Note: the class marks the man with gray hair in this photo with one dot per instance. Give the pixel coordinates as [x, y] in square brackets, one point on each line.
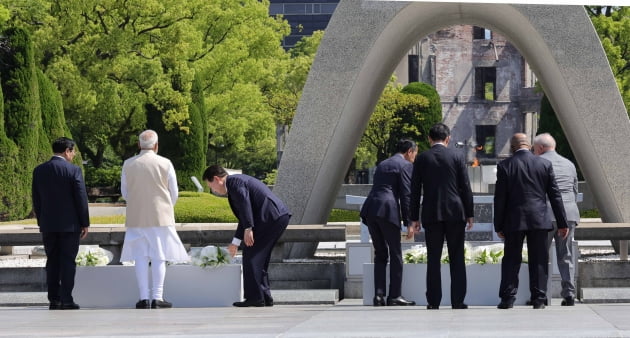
[566, 177]
[149, 185]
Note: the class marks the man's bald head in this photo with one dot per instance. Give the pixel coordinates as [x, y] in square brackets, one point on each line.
[519, 141]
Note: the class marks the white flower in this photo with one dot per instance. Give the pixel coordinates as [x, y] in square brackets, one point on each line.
[483, 254]
[417, 254]
[209, 256]
[93, 257]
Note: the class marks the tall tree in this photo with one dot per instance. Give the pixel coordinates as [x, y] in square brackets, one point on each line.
[115, 59]
[613, 27]
[22, 113]
[396, 115]
[11, 206]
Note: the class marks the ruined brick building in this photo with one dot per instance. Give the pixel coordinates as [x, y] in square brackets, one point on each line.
[485, 85]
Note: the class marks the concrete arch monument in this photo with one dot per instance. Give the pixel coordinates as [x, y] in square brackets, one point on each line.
[364, 41]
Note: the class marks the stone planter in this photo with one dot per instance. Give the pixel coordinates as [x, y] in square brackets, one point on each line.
[482, 287]
[114, 286]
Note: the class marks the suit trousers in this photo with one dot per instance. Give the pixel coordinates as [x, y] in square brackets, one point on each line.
[435, 234]
[61, 251]
[386, 242]
[538, 262]
[256, 259]
[564, 257]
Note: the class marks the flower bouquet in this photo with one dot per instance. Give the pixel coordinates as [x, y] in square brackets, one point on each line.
[93, 257]
[210, 256]
[483, 254]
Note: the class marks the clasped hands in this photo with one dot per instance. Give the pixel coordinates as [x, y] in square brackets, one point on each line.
[416, 227]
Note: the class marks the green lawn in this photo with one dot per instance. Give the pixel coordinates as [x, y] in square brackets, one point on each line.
[194, 207]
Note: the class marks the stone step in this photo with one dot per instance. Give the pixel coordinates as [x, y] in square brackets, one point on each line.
[305, 296]
[281, 297]
[23, 298]
[606, 295]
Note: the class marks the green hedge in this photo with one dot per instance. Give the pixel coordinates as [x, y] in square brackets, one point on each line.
[103, 177]
[194, 207]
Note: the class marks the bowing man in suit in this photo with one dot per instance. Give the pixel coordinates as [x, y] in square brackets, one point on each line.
[262, 218]
[61, 207]
[386, 205]
[524, 182]
[447, 211]
[566, 177]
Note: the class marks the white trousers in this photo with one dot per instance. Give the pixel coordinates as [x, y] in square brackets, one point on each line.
[158, 272]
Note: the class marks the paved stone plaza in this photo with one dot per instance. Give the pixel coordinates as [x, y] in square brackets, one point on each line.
[346, 319]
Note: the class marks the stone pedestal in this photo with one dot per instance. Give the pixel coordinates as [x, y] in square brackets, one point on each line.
[482, 287]
[114, 286]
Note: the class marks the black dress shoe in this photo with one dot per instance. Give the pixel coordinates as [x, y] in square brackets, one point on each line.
[568, 301]
[529, 302]
[460, 306]
[143, 304]
[379, 300]
[55, 305]
[69, 306]
[506, 304]
[160, 304]
[248, 303]
[433, 307]
[538, 305]
[399, 301]
[268, 301]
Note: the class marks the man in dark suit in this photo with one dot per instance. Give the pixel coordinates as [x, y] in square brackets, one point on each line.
[382, 210]
[524, 182]
[261, 216]
[61, 207]
[447, 206]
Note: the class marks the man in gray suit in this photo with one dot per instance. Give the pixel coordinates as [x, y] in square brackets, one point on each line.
[566, 177]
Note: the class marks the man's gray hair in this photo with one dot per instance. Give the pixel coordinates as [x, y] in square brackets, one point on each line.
[545, 140]
[147, 139]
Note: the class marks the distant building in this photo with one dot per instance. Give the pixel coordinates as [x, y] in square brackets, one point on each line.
[486, 87]
[304, 16]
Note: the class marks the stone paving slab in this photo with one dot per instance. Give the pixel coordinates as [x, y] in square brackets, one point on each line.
[348, 318]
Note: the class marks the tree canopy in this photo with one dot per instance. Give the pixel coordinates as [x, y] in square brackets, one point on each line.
[116, 60]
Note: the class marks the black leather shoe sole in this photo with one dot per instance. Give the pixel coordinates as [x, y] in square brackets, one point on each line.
[461, 306]
[69, 306]
[160, 304]
[505, 305]
[433, 307]
[54, 306]
[248, 303]
[399, 301]
[143, 304]
[568, 302]
[538, 306]
[378, 301]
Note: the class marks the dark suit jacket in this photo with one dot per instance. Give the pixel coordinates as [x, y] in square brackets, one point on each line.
[253, 203]
[524, 181]
[59, 198]
[441, 173]
[389, 197]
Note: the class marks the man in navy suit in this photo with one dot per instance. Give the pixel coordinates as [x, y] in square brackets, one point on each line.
[447, 206]
[261, 216]
[61, 207]
[386, 205]
[524, 182]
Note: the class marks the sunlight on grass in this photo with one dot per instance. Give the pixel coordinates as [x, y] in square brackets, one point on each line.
[194, 207]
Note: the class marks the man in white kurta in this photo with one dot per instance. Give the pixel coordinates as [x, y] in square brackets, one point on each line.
[149, 185]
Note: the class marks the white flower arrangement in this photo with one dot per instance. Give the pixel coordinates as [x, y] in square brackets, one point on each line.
[93, 257]
[483, 254]
[210, 256]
